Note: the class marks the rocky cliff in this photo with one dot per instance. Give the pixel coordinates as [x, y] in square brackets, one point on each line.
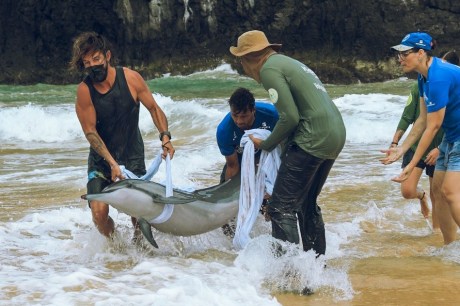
[344, 41]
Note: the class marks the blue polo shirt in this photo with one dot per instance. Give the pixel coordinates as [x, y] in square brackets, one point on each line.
[440, 90]
[229, 134]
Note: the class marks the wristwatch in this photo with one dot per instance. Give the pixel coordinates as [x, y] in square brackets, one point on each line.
[167, 133]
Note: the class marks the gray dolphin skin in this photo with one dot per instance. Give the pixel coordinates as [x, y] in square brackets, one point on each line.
[193, 213]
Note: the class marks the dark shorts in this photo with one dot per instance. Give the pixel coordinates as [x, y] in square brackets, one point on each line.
[98, 181]
[96, 185]
[429, 169]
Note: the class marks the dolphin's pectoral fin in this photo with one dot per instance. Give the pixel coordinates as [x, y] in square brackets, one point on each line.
[146, 230]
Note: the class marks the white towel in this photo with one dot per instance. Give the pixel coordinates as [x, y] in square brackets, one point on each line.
[151, 171]
[253, 187]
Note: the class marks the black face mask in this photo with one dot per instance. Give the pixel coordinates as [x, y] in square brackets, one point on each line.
[97, 73]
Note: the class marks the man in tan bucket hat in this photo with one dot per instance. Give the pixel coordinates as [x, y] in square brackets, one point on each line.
[252, 41]
[315, 134]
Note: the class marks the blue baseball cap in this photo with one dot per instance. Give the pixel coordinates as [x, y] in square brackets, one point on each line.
[417, 40]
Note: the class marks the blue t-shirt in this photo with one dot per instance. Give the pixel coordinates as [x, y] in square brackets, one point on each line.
[229, 134]
[442, 89]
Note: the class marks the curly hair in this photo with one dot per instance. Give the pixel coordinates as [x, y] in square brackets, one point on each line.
[241, 100]
[88, 43]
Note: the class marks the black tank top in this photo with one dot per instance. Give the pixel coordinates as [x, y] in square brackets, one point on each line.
[117, 122]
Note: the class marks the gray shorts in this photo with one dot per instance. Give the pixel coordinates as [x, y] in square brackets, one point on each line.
[449, 156]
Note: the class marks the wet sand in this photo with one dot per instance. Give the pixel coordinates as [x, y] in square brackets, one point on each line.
[393, 281]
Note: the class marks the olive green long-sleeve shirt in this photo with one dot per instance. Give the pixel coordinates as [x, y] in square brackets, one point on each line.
[307, 115]
[410, 114]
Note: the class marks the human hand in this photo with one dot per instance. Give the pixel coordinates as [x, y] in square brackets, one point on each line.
[116, 173]
[392, 145]
[432, 157]
[404, 175]
[168, 149]
[256, 141]
[391, 155]
[264, 212]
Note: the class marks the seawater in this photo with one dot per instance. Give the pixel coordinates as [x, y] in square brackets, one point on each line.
[379, 248]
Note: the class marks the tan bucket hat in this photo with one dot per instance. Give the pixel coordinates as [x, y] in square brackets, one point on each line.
[252, 41]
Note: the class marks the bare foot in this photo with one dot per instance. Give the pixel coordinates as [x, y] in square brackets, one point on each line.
[424, 206]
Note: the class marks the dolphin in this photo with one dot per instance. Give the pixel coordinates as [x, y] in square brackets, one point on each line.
[184, 214]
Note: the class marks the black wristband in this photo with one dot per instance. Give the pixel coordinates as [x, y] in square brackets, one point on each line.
[167, 133]
[395, 143]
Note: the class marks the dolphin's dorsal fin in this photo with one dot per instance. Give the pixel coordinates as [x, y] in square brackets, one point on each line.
[221, 191]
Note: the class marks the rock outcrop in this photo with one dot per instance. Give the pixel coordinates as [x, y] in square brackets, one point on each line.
[344, 41]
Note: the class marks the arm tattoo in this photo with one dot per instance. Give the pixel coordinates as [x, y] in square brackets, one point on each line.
[98, 145]
[95, 142]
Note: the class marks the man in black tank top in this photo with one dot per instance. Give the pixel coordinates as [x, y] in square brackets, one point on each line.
[107, 106]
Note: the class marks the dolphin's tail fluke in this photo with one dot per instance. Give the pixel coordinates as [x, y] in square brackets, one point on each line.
[146, 230]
